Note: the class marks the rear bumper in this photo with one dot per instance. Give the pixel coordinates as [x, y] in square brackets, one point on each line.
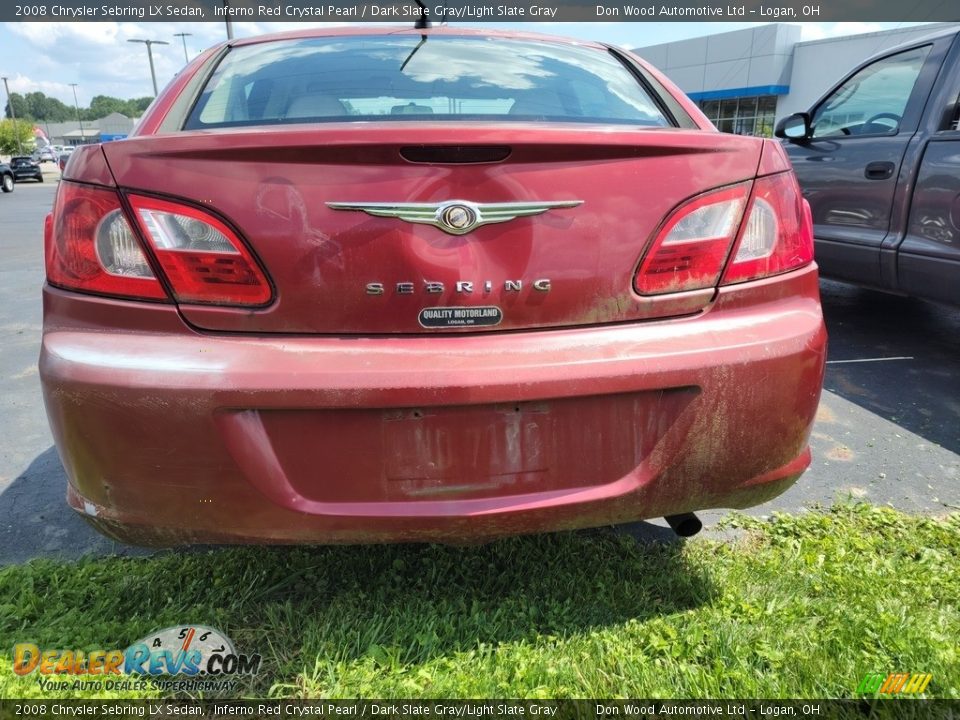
[169, 436]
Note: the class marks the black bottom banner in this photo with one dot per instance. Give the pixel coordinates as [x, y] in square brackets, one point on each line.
[479, 709]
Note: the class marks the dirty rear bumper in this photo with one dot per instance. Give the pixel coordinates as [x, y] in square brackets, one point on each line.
[169, 436]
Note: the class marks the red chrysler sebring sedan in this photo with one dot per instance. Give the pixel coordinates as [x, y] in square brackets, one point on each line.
[400, 284]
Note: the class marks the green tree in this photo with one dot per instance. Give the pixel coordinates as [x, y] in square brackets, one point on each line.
[47, 108]
[138, 106]
[11, 131]
[19, 106]
[38, 107]
[103, 105]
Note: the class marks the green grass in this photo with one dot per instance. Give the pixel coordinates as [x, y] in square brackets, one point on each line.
[800, 606]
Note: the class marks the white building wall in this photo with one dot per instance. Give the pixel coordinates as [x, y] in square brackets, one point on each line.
[771, 55]
[727, 61]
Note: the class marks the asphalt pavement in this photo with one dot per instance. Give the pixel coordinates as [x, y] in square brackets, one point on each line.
[888, 428]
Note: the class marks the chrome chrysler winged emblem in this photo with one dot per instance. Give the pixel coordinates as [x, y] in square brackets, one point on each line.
[457, 217]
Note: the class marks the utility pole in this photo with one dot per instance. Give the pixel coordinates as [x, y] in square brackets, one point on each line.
[13, 116]
[228, 21]
[183, 36]
[150, 44]
[76, 105]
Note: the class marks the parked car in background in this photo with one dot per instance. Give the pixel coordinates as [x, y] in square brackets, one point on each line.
[43, 155]
[64, 156]
[7, 179]
[878, 158]
[26, 168]
[546, 294]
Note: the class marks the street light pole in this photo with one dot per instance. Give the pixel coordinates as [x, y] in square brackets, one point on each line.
[76, 105]
[183, 36]
[13, 116]
[228, 21]
[150, 44]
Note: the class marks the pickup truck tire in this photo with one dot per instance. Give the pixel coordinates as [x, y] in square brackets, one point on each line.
[7, 184]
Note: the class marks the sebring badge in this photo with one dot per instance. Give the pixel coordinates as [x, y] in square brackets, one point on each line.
[457, 217]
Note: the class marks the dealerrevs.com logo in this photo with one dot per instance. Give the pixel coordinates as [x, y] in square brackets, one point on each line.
[200, 657]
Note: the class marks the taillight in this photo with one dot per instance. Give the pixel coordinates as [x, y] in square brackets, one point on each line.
[772, 227]
[690, 250]
[90, 246]
[202, 259]
[778, 233]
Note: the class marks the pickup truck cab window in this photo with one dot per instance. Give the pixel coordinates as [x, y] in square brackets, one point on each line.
[872, 102]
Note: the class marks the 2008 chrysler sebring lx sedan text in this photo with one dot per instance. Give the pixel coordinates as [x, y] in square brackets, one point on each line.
[389, 285]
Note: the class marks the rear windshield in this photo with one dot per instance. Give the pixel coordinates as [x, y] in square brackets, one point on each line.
[408, 77]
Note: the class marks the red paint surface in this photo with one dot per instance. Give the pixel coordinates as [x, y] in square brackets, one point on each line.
[165, 428]
[332, 416]
[272, 184]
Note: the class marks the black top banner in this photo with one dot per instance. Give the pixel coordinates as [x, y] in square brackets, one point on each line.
[453, 11]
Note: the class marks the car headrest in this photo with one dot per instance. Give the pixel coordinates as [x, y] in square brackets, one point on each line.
[548, 105]
[316, 105]
[411, 109]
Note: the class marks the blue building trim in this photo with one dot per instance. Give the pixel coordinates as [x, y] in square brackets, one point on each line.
[740, 92]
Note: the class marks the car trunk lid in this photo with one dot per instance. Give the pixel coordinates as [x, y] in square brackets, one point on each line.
[352, 271]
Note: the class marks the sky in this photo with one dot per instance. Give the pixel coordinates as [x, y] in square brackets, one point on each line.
[48, 56]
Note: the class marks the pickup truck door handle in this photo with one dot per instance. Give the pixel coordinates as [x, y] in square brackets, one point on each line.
[879, 170]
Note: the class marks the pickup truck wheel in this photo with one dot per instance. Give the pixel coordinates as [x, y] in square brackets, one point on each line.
[7, 184]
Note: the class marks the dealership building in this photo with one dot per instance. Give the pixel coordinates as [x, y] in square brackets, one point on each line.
[746, 80]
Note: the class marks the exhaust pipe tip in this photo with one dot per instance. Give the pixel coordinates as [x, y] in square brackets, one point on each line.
[685, 525]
